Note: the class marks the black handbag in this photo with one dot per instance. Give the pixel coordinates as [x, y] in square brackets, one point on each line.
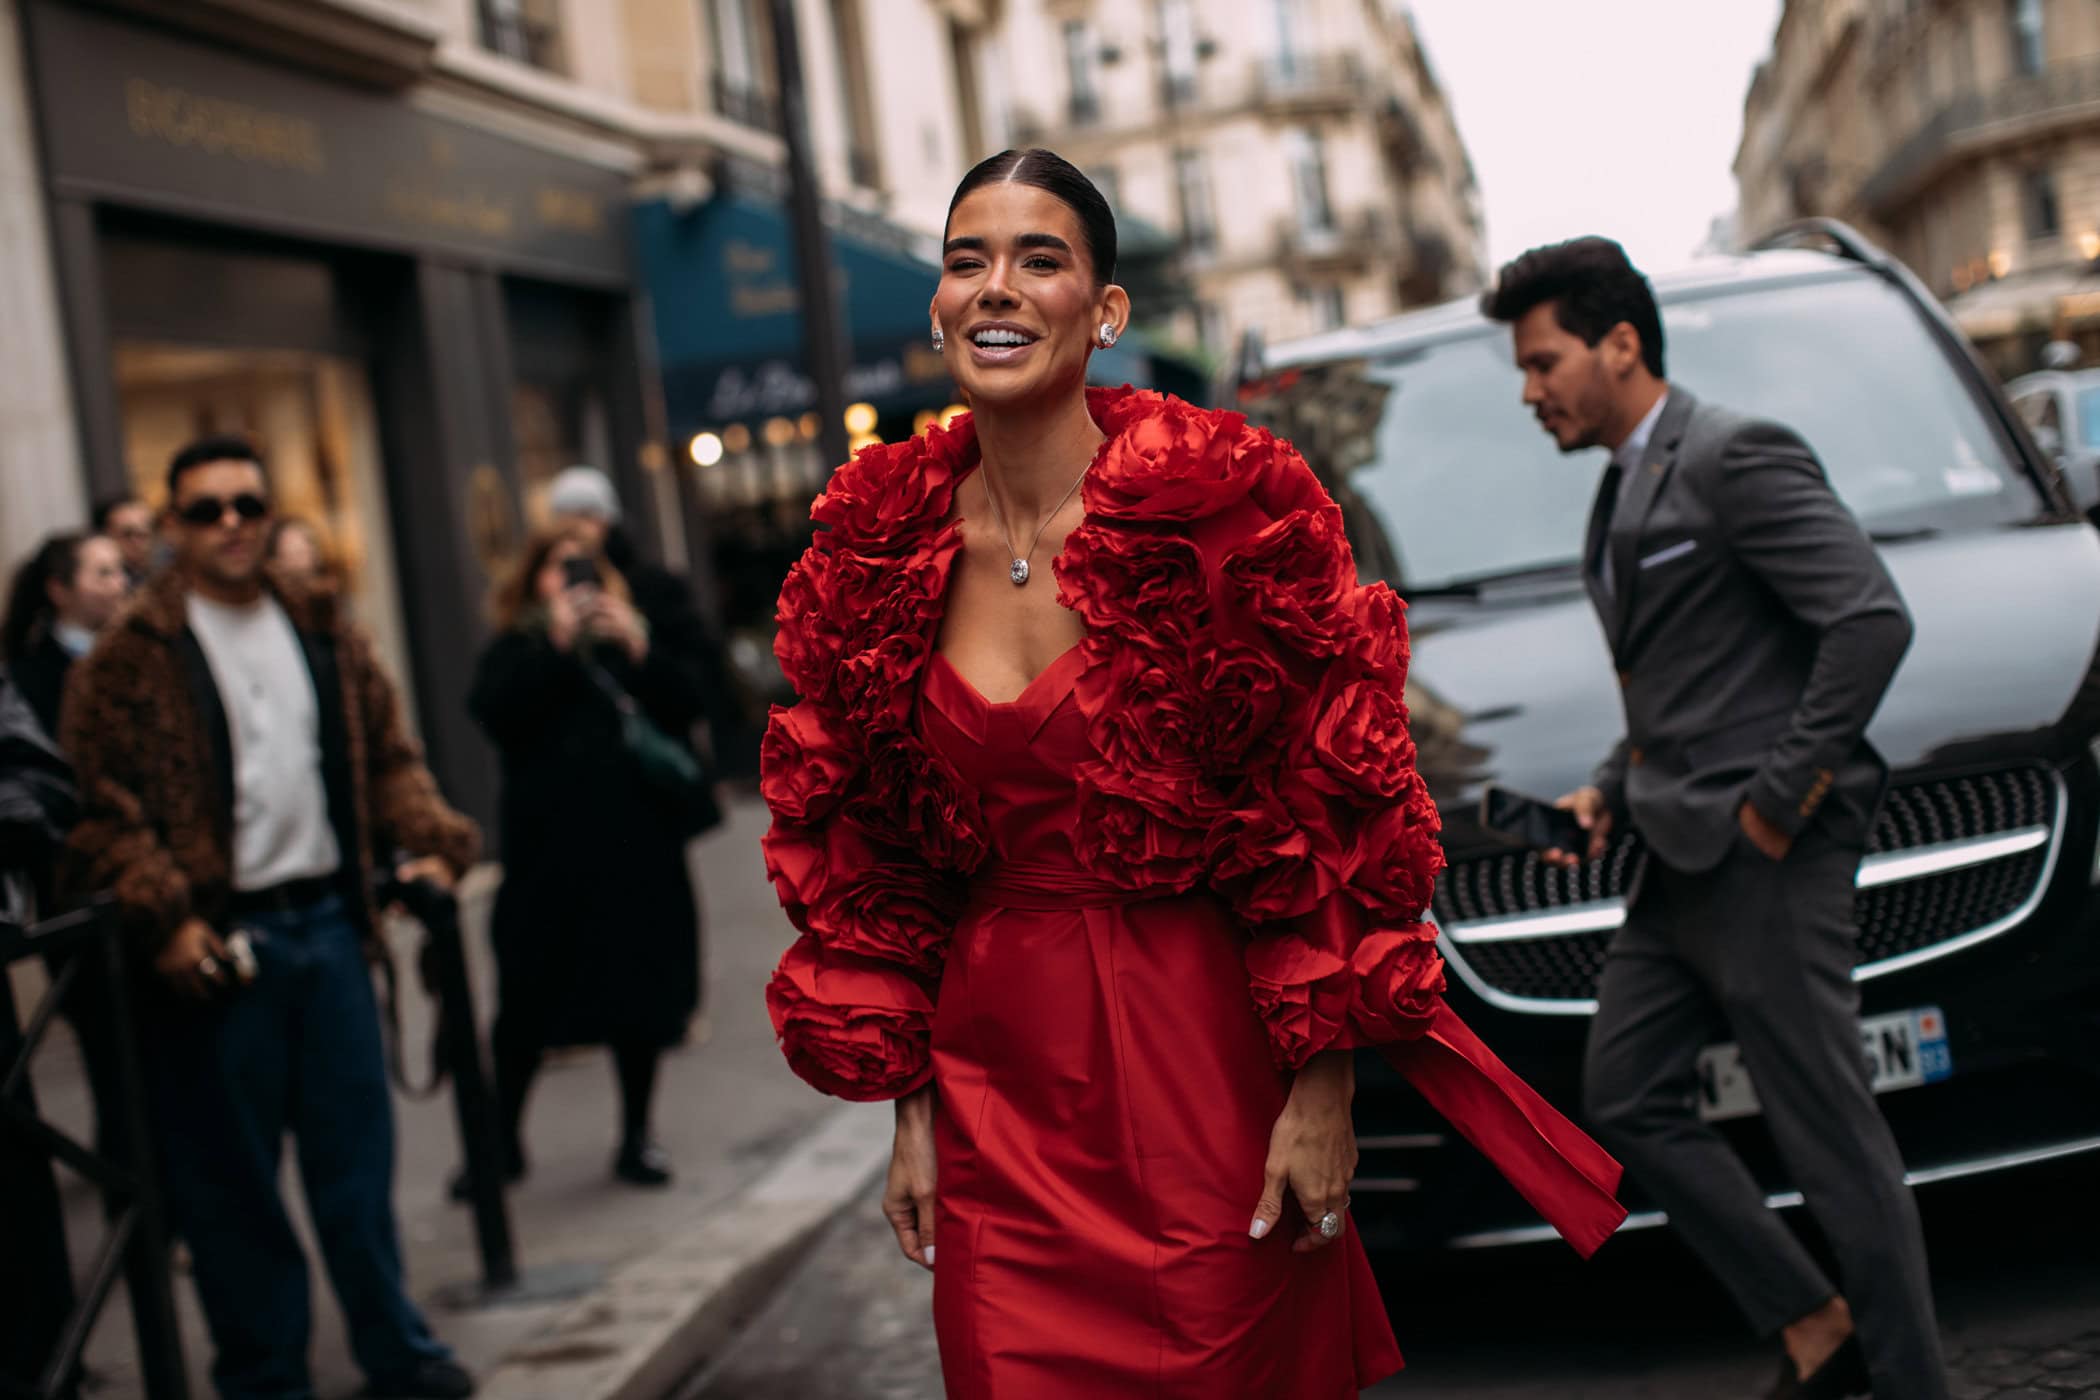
[670, 769]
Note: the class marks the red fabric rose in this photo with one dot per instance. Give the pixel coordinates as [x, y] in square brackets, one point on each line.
[1243, 693]
[1360, 743]
[1293, 578]
[1399, 984]
[1289, 484]
[1399, 857]
[1141, 705]
[804, 862]
[914, 799]
[908, 596]
[804, 765]
[1276, 856]
[1134, 586]
[1177, 463]
[880, 501]
[1380, 645]
[1142, 831]
[876, 687]
[851, 1028]
[1303, 993]
[812, 629]
[890, 911]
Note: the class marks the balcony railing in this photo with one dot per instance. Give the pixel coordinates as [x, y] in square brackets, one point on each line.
[2064, 91]
[1350, 239]
[745, 105]
[1308, 80]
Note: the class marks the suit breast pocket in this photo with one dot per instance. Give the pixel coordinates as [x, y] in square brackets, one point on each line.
[1667, 554]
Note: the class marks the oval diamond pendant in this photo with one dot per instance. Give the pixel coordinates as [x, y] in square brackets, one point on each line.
[1019, 572]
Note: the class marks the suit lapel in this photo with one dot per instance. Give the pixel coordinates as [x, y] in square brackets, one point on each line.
[1637, 495]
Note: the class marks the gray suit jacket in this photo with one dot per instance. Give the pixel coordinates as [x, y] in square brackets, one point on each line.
[1755, 631]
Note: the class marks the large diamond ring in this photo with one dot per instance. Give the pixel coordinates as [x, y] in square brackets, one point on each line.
[1330, 1225]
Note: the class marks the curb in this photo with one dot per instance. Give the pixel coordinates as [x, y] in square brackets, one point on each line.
[659, 1318]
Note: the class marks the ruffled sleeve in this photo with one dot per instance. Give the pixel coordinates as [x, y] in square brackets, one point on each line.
[873, 835]
[1332, 851]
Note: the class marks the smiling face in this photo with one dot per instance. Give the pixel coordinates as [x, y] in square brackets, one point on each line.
[1018, 300]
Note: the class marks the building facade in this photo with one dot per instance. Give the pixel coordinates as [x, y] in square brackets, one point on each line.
[1962, 134]
[1301, 152]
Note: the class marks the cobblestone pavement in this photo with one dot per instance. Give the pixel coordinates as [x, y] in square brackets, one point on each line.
[2019, 1289]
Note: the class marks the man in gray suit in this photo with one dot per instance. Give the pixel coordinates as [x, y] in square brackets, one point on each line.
[1755, 630]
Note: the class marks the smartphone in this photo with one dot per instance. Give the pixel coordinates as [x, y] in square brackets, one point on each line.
[580, 571]
[1526, 821]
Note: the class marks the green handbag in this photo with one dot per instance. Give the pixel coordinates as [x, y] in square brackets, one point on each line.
[668, 767]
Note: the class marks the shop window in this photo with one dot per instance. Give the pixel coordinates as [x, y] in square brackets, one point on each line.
[1330, 308]
[526, 30]
[312, 418]
[1199, 227]
[861, 161]
[2024, 17]
[2038, 206]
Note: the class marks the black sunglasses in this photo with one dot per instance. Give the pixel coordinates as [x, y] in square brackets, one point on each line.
[210, 510]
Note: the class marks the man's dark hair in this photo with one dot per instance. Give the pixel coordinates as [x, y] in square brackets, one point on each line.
[1593, 286]
[220, 447]
[1058, 177]
[108, 506]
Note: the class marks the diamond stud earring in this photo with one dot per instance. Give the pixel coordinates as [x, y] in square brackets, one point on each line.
[1108, 334]
[940, 342]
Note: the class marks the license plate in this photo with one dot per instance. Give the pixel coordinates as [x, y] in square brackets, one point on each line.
[1904, 1049]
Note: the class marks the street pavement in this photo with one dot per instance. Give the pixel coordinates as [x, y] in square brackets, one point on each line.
[2015, 1261]
[727, 1110]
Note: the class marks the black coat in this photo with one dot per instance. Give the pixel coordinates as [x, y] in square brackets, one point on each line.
[40, 674]
[596, 927]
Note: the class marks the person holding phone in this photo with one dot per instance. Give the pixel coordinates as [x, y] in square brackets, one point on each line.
[596, 926]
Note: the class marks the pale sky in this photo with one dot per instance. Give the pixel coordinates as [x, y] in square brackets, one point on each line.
[1617, 117]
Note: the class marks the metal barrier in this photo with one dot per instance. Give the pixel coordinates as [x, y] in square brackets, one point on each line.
[48, 1366]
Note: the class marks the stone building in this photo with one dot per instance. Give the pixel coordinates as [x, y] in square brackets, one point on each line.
[1964, 135]
[1301, 152]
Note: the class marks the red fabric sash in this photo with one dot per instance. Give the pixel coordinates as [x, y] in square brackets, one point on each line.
[1567, 1178]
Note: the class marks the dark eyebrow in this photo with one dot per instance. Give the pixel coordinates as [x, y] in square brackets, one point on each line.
[973, 244]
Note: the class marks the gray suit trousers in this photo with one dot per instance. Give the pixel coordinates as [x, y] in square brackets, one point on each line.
[1761, 952]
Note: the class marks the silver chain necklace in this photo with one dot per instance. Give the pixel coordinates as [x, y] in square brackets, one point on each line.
[1018, 570]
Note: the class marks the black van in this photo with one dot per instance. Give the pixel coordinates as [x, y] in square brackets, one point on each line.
[1979, 900]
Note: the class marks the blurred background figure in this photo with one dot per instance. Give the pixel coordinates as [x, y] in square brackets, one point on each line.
[61, 596]
[596, 928]
[297, 557]
[129, 522]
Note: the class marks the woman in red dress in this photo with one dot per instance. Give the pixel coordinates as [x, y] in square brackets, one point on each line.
[1103, 879]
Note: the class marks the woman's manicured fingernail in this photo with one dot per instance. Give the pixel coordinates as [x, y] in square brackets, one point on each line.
[1259, 1228]
[929, 1256]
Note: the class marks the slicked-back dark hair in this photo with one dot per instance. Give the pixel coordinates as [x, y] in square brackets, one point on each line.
[1593, 286]
[107, 507]
[220, 447]
[1054, 175]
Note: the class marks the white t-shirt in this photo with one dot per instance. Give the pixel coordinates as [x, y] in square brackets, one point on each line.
[280, 801]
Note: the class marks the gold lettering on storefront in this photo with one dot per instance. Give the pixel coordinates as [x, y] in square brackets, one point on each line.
[220, 127]
[473, 212]
[572, 210]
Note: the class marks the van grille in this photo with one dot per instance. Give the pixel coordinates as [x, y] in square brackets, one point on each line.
[1901, 915]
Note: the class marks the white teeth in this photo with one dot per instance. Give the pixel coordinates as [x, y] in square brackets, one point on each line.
[991, 338]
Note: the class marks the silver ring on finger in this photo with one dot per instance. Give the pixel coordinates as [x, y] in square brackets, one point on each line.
[208, 965]
[1330, 1225]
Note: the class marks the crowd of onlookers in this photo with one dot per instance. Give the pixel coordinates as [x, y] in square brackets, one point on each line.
[193, 727]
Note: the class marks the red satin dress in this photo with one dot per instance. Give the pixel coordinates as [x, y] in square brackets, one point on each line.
[1106, 1094]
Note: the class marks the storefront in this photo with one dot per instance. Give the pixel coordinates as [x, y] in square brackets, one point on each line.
[418, 320]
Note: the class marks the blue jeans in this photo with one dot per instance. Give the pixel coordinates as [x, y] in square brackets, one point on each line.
[298, 1050]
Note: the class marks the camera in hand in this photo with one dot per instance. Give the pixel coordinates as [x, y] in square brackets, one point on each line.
[1527, 821]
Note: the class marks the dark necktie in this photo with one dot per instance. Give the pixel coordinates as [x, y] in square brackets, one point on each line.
[1599, 553]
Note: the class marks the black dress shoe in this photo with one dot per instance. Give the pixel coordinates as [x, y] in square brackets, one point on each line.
[438, 1378]
[643, 1164]
[1842, 1377]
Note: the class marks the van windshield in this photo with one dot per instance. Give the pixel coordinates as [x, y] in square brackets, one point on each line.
[1456, 483]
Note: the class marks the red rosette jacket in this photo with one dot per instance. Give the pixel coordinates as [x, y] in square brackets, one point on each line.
[1246, 700]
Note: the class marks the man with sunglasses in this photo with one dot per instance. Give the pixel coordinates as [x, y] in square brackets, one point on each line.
[242, 759]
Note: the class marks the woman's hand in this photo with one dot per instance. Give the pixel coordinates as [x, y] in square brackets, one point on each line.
[616, 620]
[564, 618]
[908, 1198]
[1312, 1149]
